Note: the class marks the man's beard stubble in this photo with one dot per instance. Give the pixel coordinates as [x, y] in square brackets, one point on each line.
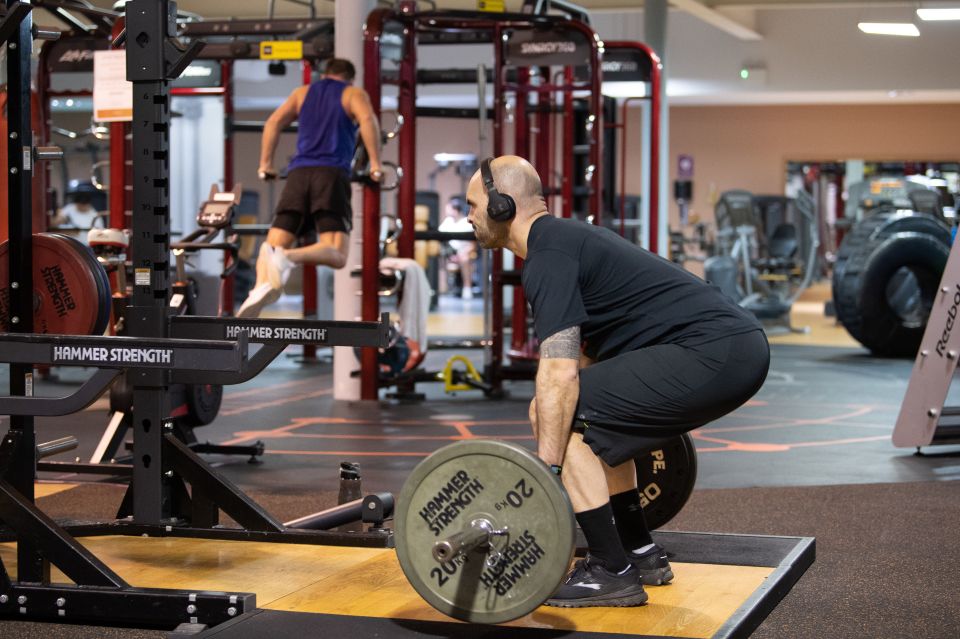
[493, 235]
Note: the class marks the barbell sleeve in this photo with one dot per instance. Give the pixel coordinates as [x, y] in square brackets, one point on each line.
[47, 153]
[477, 534]
[45, 34]
[55, 446]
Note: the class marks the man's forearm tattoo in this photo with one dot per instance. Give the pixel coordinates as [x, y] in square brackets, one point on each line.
[562, 345]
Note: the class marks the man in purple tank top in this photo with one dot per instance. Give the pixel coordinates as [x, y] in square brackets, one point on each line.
[317, 190]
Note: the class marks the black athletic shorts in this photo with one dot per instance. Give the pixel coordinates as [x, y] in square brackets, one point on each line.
[315, 194]
[637, 399]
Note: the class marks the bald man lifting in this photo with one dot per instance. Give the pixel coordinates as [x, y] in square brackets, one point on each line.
[633, 350]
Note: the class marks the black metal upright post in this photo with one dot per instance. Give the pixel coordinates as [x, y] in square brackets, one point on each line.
[149, 24]
[22, 469]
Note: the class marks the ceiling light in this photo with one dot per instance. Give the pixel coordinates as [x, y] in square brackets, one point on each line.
[945, 13]
[890, 28]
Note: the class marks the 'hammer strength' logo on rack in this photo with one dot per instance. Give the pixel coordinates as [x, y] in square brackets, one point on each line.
[443, 509]
[282, 333]
[951, 319]
[112, 354]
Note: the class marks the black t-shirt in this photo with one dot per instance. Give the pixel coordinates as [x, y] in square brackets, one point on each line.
[622, 296]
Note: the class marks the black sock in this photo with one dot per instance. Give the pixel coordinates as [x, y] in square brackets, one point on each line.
[631, 524]
[602, 541]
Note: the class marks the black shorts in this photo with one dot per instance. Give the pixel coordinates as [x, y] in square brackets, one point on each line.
[635, 400]
[317, 195]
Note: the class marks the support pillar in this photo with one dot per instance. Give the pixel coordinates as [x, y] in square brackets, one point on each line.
[655, 36]
[349, 19]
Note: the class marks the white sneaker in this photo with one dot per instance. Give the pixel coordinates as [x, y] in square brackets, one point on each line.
[277, 265]
[259, 297]
[466, 293]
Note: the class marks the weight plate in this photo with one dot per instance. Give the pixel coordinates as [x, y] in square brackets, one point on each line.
[203, 403]
[105, 295]
[66, 297]
[665, 476]
[513, 490]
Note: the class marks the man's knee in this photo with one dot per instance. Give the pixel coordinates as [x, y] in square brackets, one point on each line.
[337, 244]
[338, 259]
[577, 446]
[280, 237]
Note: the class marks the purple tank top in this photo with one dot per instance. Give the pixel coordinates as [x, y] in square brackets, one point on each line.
[326, 134]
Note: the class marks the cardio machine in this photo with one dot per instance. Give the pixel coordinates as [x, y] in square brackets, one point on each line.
[192, 405]
[765, 273]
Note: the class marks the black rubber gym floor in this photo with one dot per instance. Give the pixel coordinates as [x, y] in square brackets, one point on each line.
[810, 455]
[824, 416]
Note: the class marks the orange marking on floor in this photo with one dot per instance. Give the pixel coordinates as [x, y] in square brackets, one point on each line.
[276, 402]
[464, 430]
[781, 403]
[259, 390]
[832, 420]
[854, 411]
[737, 429]
[300, 422]
[744, 447]
[414, 422]
[281, 431]
[247, 435]
[365, 453]
[851, 440]
[757, 447]
[765, 447]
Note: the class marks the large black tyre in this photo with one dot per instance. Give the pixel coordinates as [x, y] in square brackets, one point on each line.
[884, 223]
[886, 284]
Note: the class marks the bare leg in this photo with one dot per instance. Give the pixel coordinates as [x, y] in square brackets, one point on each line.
[330, 249]
[584, 474]
[620, 478]
[585, 482]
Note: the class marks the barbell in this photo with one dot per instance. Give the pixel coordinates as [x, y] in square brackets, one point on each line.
[485, 531]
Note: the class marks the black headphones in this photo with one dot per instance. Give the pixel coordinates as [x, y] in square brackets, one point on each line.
[500, 206]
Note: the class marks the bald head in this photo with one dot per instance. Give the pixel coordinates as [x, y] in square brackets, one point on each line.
[514, 176]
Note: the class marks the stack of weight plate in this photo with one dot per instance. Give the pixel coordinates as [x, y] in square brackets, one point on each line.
[885, 278]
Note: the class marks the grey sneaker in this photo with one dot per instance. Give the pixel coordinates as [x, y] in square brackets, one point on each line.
[653, 566]
[259, 297]
[590, 584]
[277, 265]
